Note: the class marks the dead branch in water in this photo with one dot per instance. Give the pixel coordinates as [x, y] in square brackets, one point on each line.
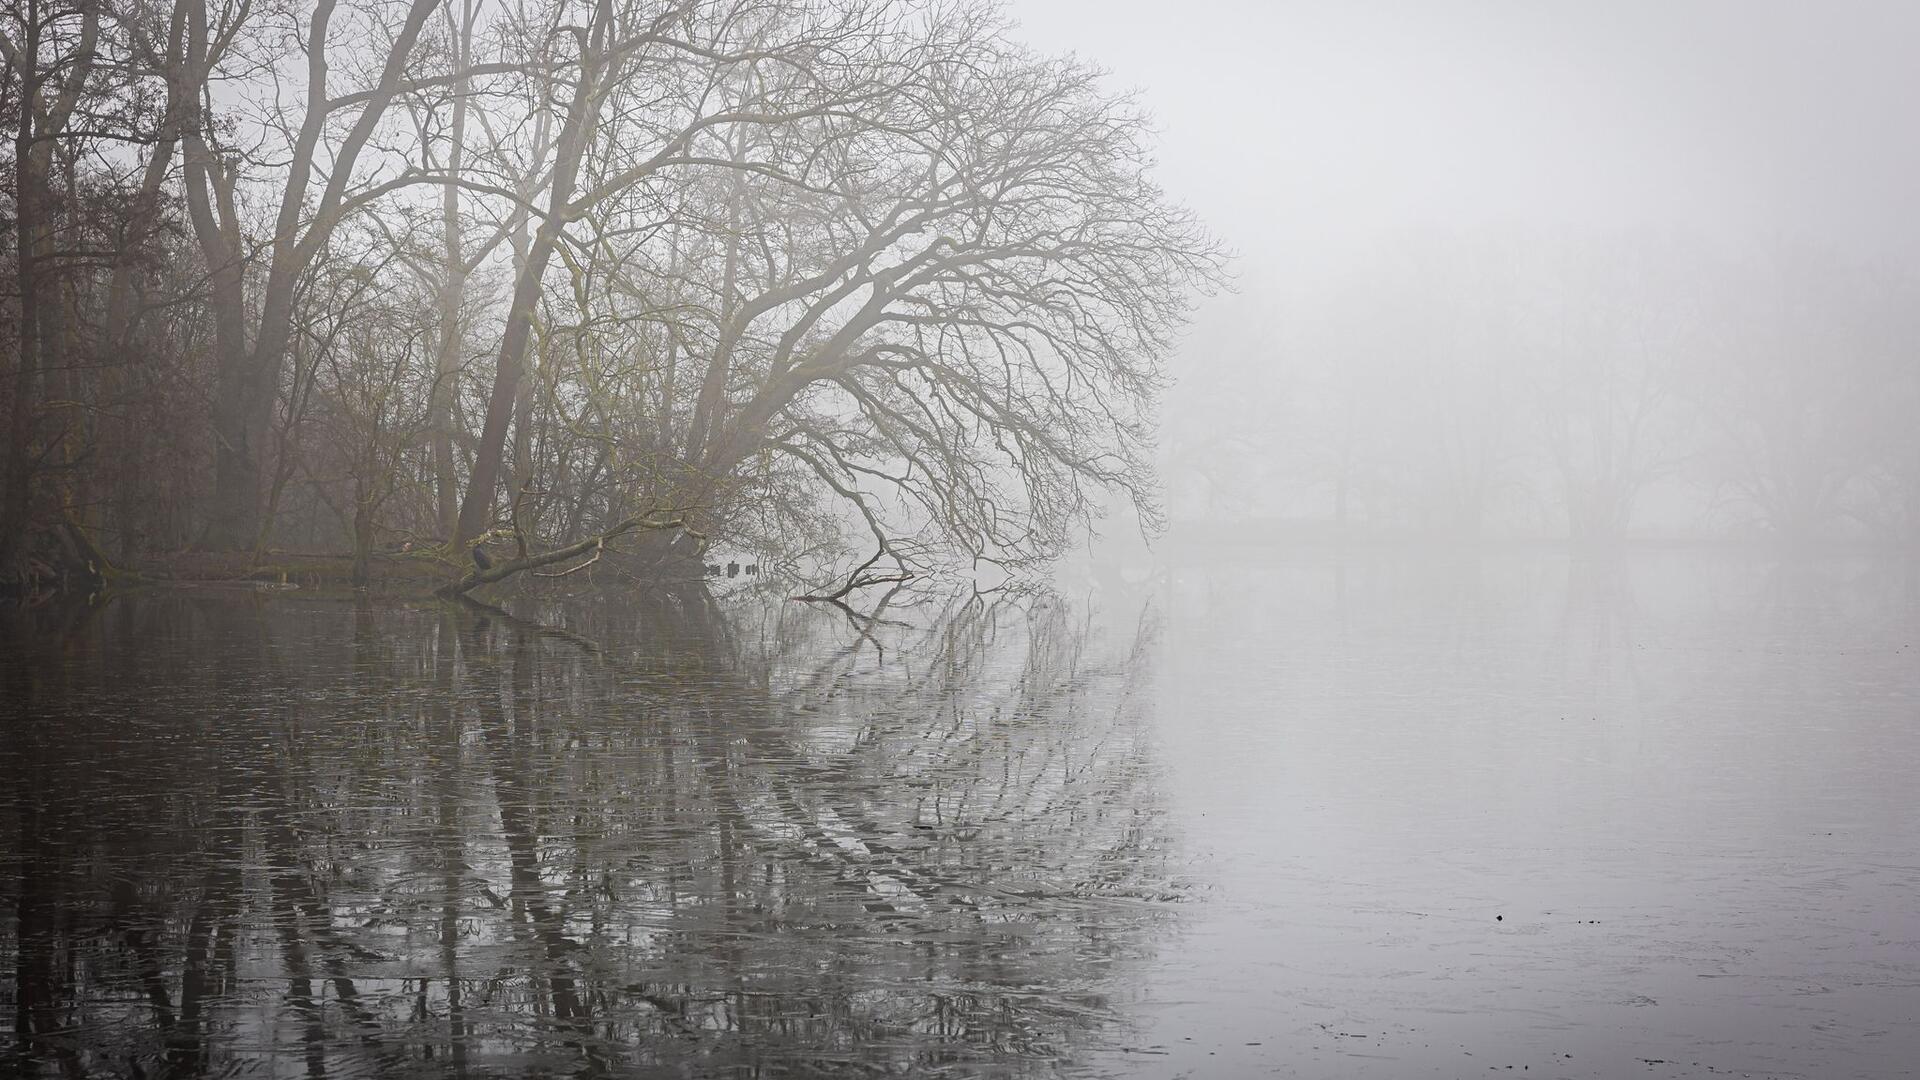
[595, 544]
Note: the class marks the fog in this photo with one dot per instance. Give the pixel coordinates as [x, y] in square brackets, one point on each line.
[959, 538]
[1345, 121]
[1599, 273]
[1489, 254]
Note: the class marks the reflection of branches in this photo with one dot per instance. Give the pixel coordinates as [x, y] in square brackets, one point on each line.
[585, 644]
[773, 846]
[864, 623]
[861, 579]
[517, 803]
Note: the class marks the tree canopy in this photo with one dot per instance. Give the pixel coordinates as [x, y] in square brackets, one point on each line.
[801, 277]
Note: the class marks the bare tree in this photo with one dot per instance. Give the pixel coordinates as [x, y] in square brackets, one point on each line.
[641, 83]
[1612, 342]
[1787, 389]
[378, 410]
[326, 134]
[774, 273]
[947, 313]
[51, 51]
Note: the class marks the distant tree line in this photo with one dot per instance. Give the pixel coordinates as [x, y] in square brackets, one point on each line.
[796, 275]
[1500, 383]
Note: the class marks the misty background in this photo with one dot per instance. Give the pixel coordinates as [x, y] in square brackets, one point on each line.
[1607, 271]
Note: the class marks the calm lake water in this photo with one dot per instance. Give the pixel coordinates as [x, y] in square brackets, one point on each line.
[1372, 816]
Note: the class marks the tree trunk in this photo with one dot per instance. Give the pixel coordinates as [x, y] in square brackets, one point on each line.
[477, 509]
[447, 361]
[41, 117]
[523, 426]
[362, 536]
[29, 224]
[124, 445]
[249, 377]
[233, 517]
[233, 521]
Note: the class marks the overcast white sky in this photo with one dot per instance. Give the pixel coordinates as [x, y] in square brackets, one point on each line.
[1306, 133]
[1299, 130]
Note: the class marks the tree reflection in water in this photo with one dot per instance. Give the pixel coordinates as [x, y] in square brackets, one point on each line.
[250, 834]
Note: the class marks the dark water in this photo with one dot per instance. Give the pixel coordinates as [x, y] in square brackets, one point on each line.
[261, 835]
[1291, 817]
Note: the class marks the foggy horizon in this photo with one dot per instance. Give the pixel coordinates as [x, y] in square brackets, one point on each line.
[1751, 157]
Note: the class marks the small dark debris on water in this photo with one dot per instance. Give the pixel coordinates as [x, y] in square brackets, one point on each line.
[1499, 918]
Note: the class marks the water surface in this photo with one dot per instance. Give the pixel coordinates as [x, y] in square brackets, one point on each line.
[1648, 817]
[1294, 816]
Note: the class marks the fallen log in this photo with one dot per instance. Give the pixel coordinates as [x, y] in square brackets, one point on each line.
[493, 571]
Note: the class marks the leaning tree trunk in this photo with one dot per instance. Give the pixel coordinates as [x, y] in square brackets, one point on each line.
[477, 509]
